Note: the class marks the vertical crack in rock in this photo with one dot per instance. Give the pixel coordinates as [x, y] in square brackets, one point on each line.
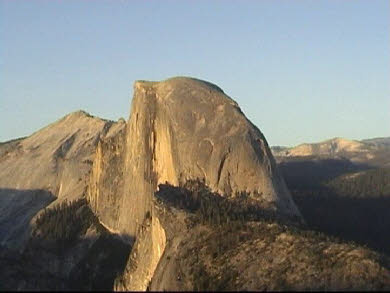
[221, 167]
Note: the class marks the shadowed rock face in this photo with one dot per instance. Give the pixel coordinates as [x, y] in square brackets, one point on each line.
[181, 129]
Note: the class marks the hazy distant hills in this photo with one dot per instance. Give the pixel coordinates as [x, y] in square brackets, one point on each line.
[373, 152]
[379, 142]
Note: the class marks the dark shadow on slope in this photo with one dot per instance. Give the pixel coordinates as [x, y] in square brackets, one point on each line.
[309, 172]
[17, 208]
[362, 220]
[68, 250]
[343, 208]
[104, 261]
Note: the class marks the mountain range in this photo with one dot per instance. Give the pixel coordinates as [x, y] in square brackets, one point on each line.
[368, 151]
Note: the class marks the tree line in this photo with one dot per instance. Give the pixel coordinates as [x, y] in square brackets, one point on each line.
[371, 183]
[65, 222]
[211, 207]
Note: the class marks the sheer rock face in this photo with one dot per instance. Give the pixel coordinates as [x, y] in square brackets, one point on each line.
[181, 129]
[144, 258]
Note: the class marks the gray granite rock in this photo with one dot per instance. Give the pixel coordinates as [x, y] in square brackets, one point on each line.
[179, 129]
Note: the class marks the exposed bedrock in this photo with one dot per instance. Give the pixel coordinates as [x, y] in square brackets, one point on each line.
[180, 129]
[46, 168]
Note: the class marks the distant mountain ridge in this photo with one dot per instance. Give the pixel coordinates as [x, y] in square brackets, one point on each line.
[379, 141]
[373, 151]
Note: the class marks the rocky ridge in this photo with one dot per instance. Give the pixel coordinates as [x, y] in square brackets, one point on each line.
[47, 167]
[374, 152]
[327, 147]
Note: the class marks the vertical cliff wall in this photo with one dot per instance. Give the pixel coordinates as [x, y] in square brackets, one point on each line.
[144, 258]
[181, 129]
[106, 185]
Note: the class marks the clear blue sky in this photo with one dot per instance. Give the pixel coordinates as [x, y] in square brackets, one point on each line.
[302, 71]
